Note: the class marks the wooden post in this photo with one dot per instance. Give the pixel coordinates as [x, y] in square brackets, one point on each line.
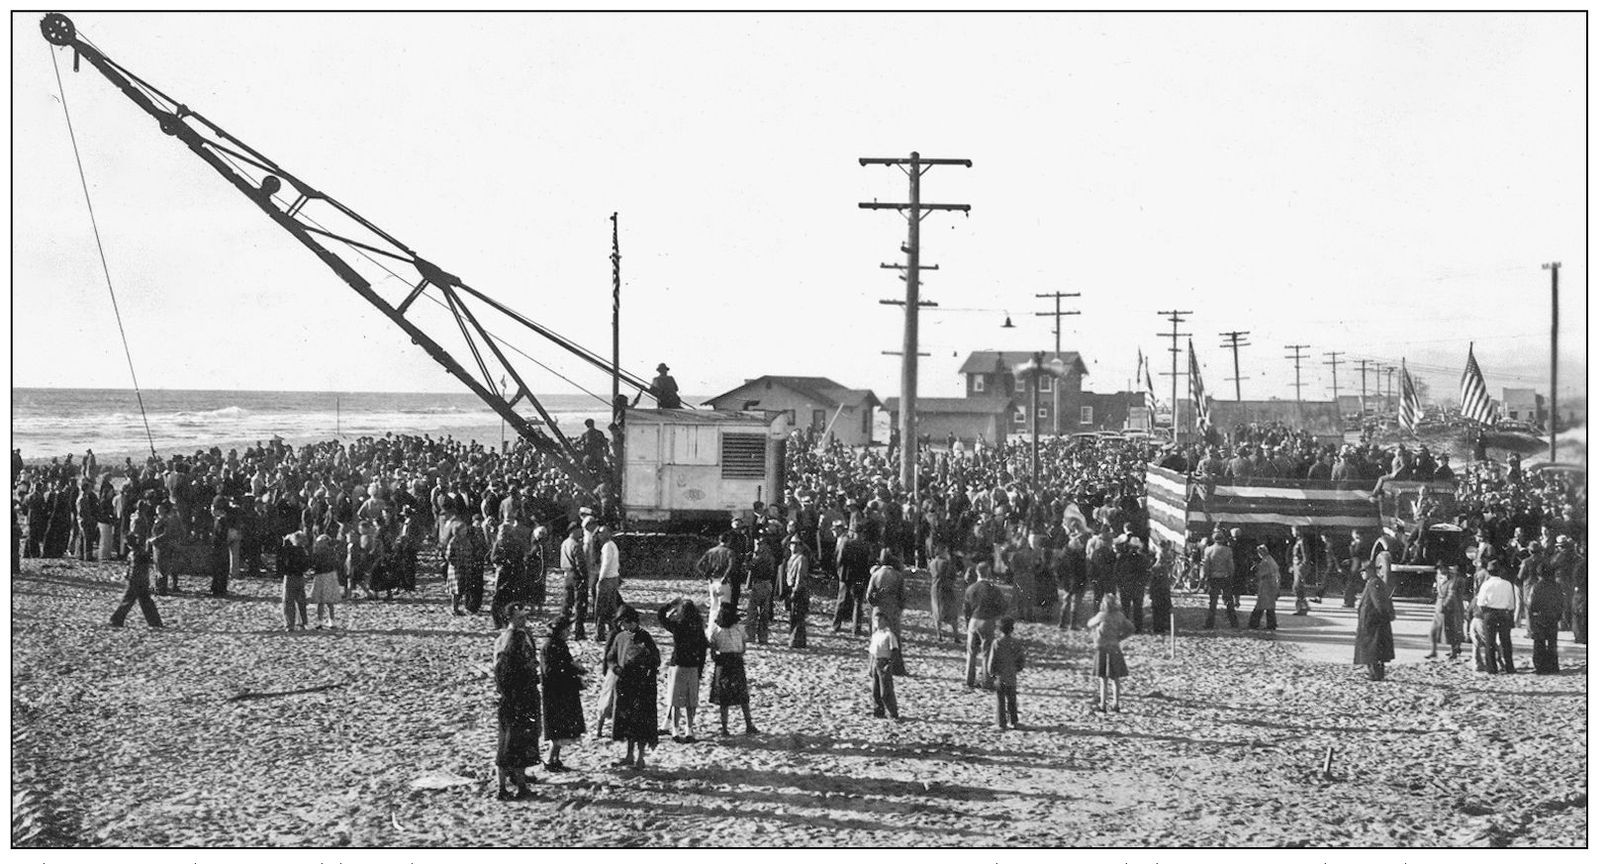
[1328, 765]
[1171, 648]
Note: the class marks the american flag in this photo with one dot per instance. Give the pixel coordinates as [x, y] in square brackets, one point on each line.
[1202, 403]
[1476, 403]
[1153, 403]
[1411, 411]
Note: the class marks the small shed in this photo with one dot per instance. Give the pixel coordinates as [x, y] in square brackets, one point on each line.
[701, 466]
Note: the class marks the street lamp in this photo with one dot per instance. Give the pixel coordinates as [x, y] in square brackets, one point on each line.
[1033, 371]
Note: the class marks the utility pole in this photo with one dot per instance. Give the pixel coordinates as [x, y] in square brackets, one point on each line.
[616, 404]
[1389, 389]
[1235, 339]
[1363, 364]
[1058, 315]
[1551, 424]
[1176, 317]
[914, 212]
[1297, 357]
[1333, 366]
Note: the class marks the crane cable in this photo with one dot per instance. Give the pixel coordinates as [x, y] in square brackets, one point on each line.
[83, 181]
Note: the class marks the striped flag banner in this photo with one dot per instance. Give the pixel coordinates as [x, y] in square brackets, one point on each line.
[1266, 505]
[1202, 404]
[1411, 411]
[1476, 403]
[1166, 497]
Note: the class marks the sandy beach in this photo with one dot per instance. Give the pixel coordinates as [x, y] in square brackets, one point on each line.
[138, 737]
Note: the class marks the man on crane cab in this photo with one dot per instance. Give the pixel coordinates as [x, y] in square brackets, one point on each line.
[664, 389]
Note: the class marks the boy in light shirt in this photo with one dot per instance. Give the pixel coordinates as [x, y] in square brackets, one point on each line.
[883, 644]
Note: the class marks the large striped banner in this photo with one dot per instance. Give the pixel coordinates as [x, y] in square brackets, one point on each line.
[1167, 499]
[1180, 506]
[1260, 503]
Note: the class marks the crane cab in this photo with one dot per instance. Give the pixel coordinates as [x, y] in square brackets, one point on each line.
[701, 467]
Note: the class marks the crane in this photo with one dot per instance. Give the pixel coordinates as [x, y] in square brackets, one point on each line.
[291, 203]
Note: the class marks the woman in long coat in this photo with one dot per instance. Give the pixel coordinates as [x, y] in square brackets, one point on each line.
[518, 676]
[561, 682]
[633, 658]
[1375, 636]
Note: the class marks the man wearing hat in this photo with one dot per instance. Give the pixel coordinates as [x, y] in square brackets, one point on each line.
[797, 587]
[1218, 567]
[1443, 471]
[664, 388]
[572, 562]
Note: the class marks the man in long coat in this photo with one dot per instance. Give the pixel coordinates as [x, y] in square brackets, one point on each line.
[1375, 635]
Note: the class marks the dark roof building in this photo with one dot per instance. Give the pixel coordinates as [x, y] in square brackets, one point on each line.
[809, 403]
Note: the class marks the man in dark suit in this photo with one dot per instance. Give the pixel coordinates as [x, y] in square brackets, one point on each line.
[853, 575]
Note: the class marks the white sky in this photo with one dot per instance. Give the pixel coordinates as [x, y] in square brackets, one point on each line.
[1380, 185]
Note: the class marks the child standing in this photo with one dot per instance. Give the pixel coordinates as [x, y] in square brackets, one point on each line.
[729, 686]
[1006, 659]
[1110, 627]
[883, 651]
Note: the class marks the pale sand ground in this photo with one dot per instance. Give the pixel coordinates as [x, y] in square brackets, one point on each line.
[128, 737]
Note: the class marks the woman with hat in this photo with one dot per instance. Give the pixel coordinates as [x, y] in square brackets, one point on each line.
[518, 676]
[561, 682]
[633, 659]
[729, 686]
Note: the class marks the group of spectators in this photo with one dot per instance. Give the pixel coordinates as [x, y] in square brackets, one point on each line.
[358, 511]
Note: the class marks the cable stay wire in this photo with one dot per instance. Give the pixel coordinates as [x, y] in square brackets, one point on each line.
[101, 248]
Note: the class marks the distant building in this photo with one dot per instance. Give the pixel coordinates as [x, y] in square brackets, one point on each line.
[1111, 411]
[808, 403]
[1519, 403]
[991, 374]
[985, 418]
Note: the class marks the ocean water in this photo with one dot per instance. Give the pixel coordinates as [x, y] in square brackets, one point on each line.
[55, 422]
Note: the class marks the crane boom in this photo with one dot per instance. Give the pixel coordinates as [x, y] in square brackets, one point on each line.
[240, 164]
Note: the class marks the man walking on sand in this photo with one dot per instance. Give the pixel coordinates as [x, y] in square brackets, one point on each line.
[139, 583]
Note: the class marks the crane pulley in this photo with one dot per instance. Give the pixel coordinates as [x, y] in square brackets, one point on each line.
[287, 199]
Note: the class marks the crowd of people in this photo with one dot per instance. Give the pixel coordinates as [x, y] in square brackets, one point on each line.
[359, 520]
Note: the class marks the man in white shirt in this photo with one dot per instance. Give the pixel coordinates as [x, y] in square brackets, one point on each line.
[1498, 602]
[605, 597]
[883, 648]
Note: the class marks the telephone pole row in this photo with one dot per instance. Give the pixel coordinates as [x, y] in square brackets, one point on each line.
[1175, 316]
[1333, 366]
[1363, 364]
[914, 211]
[1236, 338]
[1297, 357]
[1058, 314]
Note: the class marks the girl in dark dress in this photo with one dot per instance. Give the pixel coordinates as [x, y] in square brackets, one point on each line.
[561, 682]
[729, 686]
[633, 658]
[518, 676]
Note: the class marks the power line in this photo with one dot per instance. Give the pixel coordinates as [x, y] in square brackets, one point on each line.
[1236, 339]
[1175, 316]
[914, 212]
[1333, 367]
[1058, 314]
[1297, 357]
